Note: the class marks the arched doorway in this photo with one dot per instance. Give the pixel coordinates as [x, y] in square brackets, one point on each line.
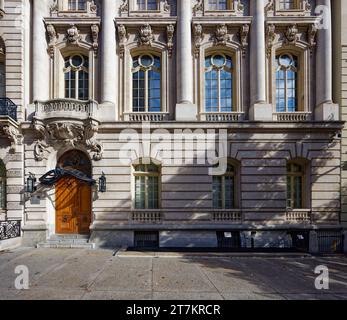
[73, 197]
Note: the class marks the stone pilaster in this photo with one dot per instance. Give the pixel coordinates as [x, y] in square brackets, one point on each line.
[185, 108]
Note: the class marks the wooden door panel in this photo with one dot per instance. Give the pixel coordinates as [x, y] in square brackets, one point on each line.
[73, 206]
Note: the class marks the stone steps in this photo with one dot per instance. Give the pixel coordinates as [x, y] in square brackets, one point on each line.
[67, 242]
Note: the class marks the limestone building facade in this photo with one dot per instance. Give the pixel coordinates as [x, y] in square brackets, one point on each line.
[163, 123]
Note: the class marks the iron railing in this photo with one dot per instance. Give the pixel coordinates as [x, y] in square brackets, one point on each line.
[10, 229]
[8, 108]
[330, 242]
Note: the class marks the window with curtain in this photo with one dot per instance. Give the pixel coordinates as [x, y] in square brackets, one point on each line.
[77, 5]
[295, 185]
[286, 83]
[146, 5]
[146, 83]
[146, 186]
[76, 73]
[223, 189]
[2, 80]
[219, 83]
[216, 5]
[2, 186]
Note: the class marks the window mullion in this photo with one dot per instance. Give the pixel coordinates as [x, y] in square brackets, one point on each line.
[219, 92]
[146, 91]
[76, 85]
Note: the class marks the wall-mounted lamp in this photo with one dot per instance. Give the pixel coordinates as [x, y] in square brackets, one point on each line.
[102, 183]
[31, 183]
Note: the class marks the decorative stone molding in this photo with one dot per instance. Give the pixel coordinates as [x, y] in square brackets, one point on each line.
[73, 35]
[95, 36]
[12, 133]
[270, 38]
[170, 30]
[59, 9]
[146, 35]
[52, 39]
[62, 123]
[197, 32]
[221, 35]
[128, 9]
[273, 9]
[244, 31]
[311, 37]
[123, 38]
[292, 34]
[201, 8]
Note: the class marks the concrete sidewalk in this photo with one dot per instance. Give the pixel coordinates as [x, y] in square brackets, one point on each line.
[99, 274]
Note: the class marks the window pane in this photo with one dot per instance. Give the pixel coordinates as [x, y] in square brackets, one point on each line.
[2, 80]
[153, 200]
[140, 193]
[217, 193]
[139, 91]
[229, 195]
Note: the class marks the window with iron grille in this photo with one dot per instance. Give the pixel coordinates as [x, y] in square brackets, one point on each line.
[146, 239]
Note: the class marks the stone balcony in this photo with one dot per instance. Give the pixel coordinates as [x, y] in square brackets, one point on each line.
[298, 216]
[146, 116]
[63, 122]
[292, 116]
[222, 117]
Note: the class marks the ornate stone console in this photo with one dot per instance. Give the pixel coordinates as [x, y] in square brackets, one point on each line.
[66, 123]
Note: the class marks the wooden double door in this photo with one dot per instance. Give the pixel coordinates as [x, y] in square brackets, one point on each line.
[73, 198]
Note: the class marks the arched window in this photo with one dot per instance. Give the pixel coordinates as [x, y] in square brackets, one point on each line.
[295, 185]
[76, 77]
[146, 186]
[216, 5]
[2, 186]
[224, 189]
[286, 83]
[146, 5]
[77, 5]
[146, 83]
[218, 83]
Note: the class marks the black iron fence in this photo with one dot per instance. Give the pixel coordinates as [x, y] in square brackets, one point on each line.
[8, 108]
[10, 229]
[330, 242]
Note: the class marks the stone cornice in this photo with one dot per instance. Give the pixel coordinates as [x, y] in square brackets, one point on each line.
[237, 21]
[138, 21]
[64, 21]
[285, 20]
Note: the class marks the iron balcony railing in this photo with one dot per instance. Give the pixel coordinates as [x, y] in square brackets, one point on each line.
[10, 229]
[8, 108]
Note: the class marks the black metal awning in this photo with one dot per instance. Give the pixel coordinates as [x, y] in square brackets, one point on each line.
[53, 176]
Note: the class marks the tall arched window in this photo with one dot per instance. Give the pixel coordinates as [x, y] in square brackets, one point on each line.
[146, 83]
[77, 5]
[215, 5]
[286, 83]
[76, 77]
[218, 83]
[146, 5]
[224, 189]
[146, 186]
[2, 186]
[295, 185]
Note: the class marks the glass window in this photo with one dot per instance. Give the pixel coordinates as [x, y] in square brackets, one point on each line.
[2, 80]
[146, 5]
[147, 186]
[216, 5]
[77, 5]
[288, 4]
[223, 190]
[286, 83]
[2, 186]
[218, 83]
[146, 83]
[76, 77]
[295, 185]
